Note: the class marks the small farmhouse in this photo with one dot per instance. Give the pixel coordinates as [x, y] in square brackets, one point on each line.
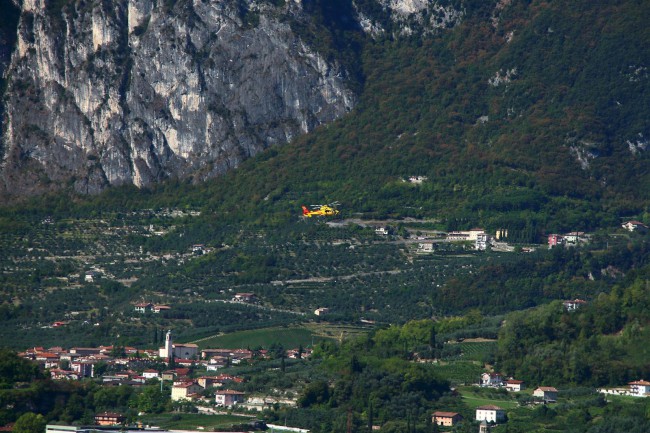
[633, 226]
[491, 379]
[245, 297]
[513, 385]
[321, 311]
[143, 307]
[574, 304]
[160, 308]
[547, 393]
[228, 397]
[446, 419]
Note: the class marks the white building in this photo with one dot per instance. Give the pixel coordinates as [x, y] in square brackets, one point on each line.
[482, 241]
[634, 226]
[640, 388]
[492, 379]
[321, 311]
[150, 374]
[490, 413]
[184, 351]
[574, 304]
[513, 385]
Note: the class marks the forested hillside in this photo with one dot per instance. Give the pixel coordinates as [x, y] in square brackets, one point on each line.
[532, 118]
[602, 343]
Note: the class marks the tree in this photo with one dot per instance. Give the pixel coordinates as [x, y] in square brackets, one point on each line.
[150, 400]
[30, 423]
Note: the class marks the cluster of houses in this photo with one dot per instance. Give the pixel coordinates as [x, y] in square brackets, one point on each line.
[491, 414]
[546, 394]
[186, 389]
[134, 369]
[80, 362]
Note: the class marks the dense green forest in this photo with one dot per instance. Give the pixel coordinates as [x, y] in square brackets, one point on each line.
[602, 343]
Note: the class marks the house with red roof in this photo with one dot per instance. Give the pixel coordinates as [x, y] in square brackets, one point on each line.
[228, 397]
[513, 385]
[143, 307]
[446, 419]
[573, 305]
[633, 226]
[547, 393]
[640, 388]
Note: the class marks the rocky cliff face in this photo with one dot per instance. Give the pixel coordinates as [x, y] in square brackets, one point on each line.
[134, 91]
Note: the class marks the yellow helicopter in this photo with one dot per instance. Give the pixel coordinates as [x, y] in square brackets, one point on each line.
[320, 210]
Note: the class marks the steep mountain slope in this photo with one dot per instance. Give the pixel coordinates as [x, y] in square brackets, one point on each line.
[521, 113]
[137, 91]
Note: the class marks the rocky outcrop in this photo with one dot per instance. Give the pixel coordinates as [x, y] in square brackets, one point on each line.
[134, 91]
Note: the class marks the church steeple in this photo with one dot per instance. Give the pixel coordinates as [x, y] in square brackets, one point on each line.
[169, 348]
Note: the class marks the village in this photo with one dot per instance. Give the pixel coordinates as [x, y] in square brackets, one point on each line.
[183, 366]
[192, 376]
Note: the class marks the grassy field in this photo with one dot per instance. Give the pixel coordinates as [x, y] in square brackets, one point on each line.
[475, 397]
[336, 331]
[460, 372]
[191, 421]
[288, 337]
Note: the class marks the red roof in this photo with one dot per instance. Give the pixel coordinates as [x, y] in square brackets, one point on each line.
[640, 382]
[514, 382]
[185, 385]
[229, 392]
[439, 414]
[576, 301]
[109, 414]
[489, 407]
